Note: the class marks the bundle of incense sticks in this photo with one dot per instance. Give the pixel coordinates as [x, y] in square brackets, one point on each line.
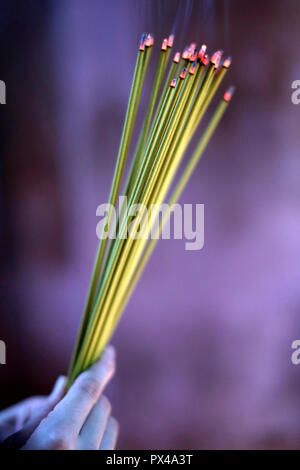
[181, 94]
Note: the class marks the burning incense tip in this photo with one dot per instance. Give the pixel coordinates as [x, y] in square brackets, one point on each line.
[176, 58]
[194, 56]
[202, 51]
[142, 42]
[173, 83]
[186, 53]
[216, 58]
[183, 73]
[193, 68]
[205, 60]
[149, 40]
[171, 40]
[229, 94]
[164, 44]
[192, 46]
[227, 62]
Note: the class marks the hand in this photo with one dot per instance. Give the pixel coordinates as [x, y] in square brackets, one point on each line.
[79, 420]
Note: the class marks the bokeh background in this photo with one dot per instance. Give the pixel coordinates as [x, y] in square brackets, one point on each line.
[204, 348]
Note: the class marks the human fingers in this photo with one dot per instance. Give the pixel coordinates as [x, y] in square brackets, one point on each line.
[60, 430]
[110, 436]
[94, 427]
[39, 409]
[71, 412]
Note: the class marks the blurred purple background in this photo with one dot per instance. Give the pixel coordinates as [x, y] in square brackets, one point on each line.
[204, 348]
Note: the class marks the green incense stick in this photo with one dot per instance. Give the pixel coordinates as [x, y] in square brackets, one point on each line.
[196, 156]
[137, 83]
[166, 132]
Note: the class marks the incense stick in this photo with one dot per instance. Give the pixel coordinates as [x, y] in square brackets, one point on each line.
[133, 102]
[193, 161]
[170, 122]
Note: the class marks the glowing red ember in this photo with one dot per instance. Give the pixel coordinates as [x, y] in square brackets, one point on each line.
[176, 58]
[171, 40]
[229, 94]
[227, 63]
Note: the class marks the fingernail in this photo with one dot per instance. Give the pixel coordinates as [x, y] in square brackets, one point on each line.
[58, 386]
[110, 352]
